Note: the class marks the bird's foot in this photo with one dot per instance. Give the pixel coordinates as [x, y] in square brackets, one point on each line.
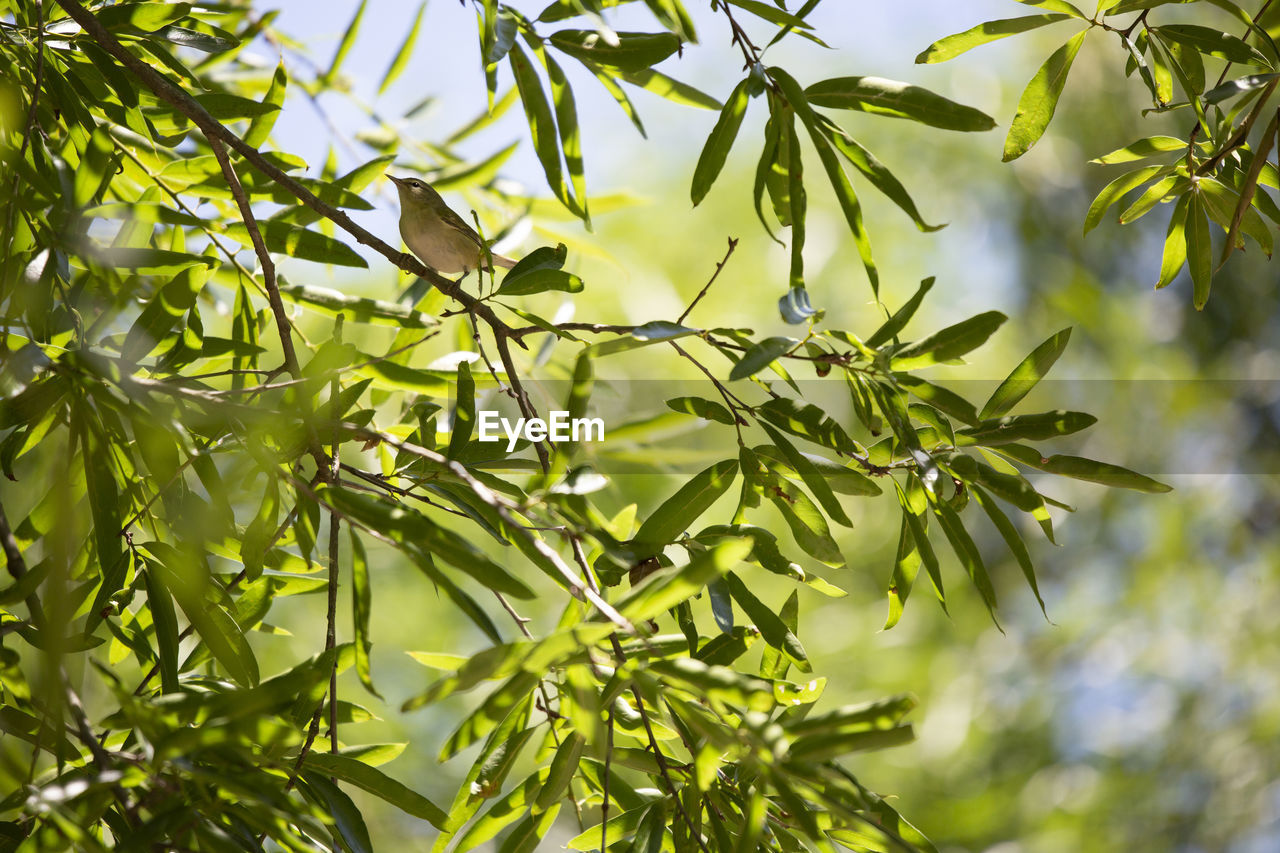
[405, 260]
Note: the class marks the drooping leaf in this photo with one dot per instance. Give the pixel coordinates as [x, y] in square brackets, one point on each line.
[374, 781]
[717, 146]
[1213, 42]
[1040, 99]
[954, 45]
[898, 100]
[286, 239]
[949, 343]
[679, 511]
[1026, 375]
[401, 59]
[761, 355]
[633, 52]
[348, 40]
[1080, 468]
[1199, 250]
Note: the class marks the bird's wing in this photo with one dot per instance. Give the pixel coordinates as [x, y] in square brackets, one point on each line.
[457, 223]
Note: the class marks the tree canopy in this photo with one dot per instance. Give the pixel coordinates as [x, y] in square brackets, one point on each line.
[203, 444]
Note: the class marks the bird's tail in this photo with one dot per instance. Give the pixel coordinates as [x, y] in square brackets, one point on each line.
[504, 262]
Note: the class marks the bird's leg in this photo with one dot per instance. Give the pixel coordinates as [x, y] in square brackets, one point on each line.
[405, 260]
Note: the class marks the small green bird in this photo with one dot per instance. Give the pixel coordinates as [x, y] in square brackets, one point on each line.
[437, 235]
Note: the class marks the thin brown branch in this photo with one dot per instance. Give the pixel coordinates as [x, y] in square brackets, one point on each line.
[17, 566]
[1241, 136]
[604, 801]
[503, 508]
[188, 106]
[1257, 17]
[522, 398]
[1250, 187]
[283, 326]
[331, 615]
[664, 769]
[733, 244]
[1140, 21]
[30, 129]
[750, 52]
[738, 420]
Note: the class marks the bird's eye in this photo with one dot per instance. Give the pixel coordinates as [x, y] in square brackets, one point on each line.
[415, 184]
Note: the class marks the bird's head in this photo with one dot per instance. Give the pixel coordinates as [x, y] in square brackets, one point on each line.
[417, 193]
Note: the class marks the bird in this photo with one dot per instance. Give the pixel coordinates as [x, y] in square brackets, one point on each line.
[439, 237]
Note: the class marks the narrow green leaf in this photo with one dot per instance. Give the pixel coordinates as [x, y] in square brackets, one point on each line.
[540, 271]
[143, 16]
[965, 549]
[906, 566]
[569, 131]
[356, 309]
[1174, 256]
[717, 146]
[348, 822]
[415, 531]
[898, 100]
[1199, 250]
[761, 355]
[809, 422]
[1025, 376]
[260, 125]
[1238, 87]
[915, 515]
[673, 90]
[196, 40]
[1061, 6]
[849, 203]
[679, 511]
[633, 51]
[165, 621]
[811, 476]
[374, 781]
[1013, 428]
[361, 610]
[542, 126]
[187, 578]
[667, 588]
[895, 324]
[954, 45]
[1013, 539]
[401, 59]
[296, 242]
[708, 410]
[1118, 189]
[1152, 196]
[1040, 99]
[878, 174]
[1212, 42]
[774, 631]
[464, 411]
[162, 313]
[348, 40]
[226, 107]
[1142, 149]
[949, 343]
[1079, 468]
[772, 14]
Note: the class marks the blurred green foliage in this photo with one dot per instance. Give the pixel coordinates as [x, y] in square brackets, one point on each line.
[175, 488]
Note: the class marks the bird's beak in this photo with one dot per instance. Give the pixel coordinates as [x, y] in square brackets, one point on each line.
[394, 179]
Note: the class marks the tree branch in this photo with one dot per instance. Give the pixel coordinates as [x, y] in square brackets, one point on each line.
[503, 509]
[212, 128]
[733, 244]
